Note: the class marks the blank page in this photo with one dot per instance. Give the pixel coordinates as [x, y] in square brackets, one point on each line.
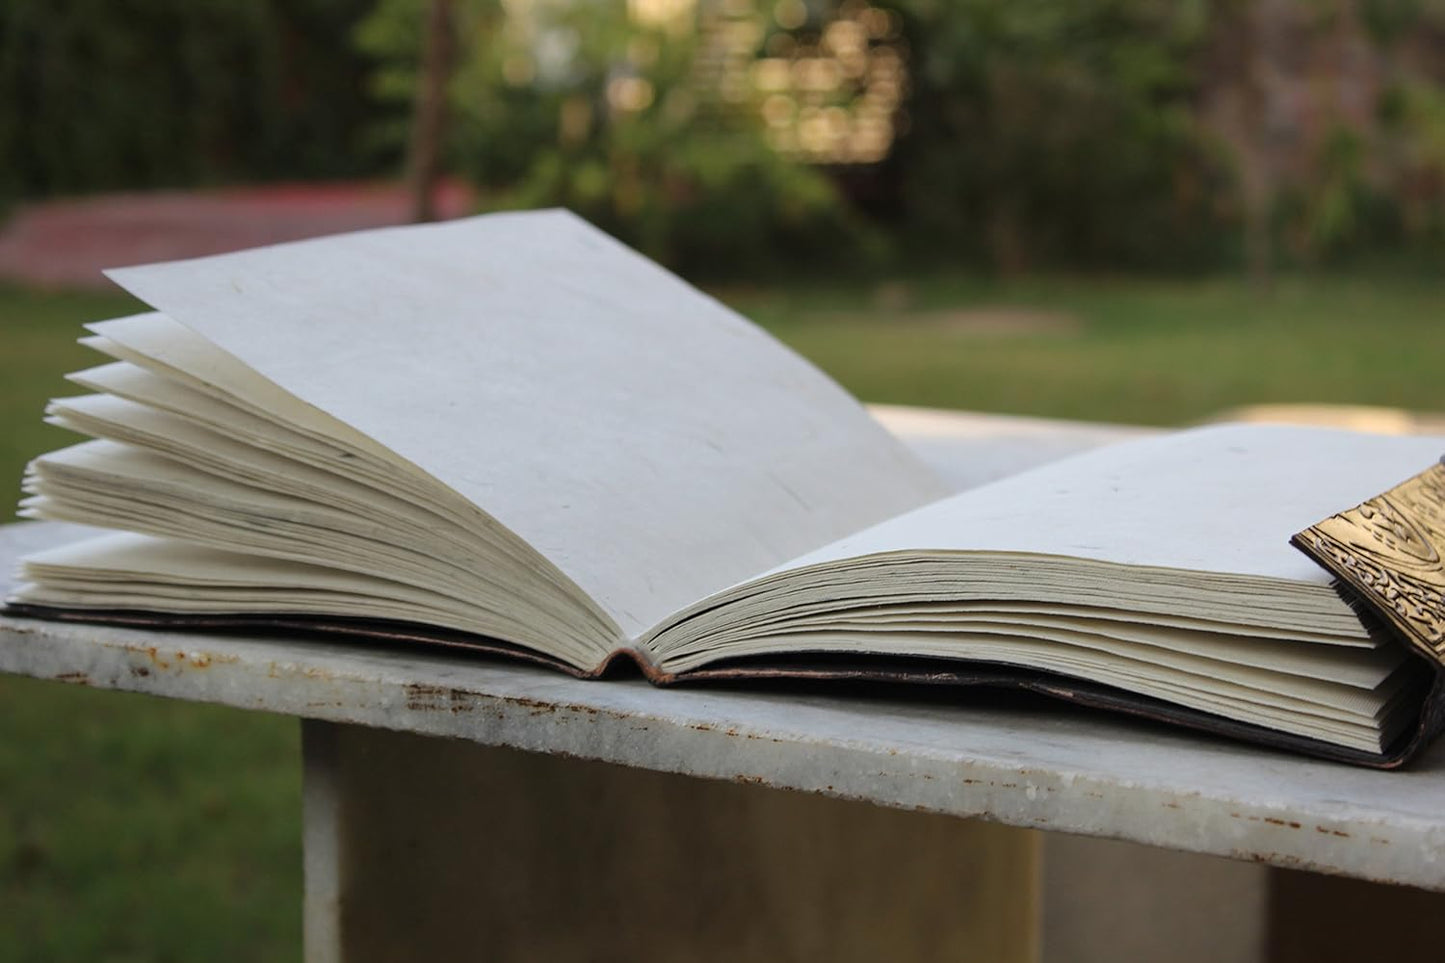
[1221, 500]
[651, 443]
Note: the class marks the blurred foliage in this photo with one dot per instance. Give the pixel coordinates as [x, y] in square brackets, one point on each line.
[100, 95]
[1412, 203]
[1037, 133]
[1031, 134]
[579, 105]
[1057, 130]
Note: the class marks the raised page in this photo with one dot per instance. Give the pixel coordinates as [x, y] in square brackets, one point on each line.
[652, 444]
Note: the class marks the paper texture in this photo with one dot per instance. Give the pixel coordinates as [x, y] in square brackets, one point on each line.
[652, 444]
[1222, 500]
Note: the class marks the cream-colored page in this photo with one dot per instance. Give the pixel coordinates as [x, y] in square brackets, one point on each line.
[1215, 500]
[651, 443]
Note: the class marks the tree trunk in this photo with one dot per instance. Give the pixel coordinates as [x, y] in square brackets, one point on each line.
[1006, 240]
[428, 126]
[1258, 203]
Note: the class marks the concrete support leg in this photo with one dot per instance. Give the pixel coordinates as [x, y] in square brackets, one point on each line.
[422, 848]
[320, 825]
[1106, 901]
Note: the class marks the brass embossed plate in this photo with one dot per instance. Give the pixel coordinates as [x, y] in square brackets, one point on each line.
[1389, 551]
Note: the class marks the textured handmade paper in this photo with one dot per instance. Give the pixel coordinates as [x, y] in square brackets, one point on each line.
[649, 442]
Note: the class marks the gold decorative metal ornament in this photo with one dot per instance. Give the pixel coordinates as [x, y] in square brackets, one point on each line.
[1389, 551]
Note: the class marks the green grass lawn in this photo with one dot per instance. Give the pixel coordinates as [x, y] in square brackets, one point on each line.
[137, 829]
[131, 828]
[1119, 350]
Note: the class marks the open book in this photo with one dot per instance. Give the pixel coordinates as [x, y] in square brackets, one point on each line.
[515, 434]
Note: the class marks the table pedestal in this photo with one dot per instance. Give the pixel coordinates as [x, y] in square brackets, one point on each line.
[423, 848]
[427, 848]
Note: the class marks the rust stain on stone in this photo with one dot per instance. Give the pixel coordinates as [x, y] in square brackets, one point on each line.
[424, 697]
[421, 697]
[180, 659]
[536, 707]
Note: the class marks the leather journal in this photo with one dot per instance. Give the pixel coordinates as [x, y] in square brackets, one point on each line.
[513, 435]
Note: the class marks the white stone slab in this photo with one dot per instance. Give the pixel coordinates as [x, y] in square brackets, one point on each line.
[1037, 765]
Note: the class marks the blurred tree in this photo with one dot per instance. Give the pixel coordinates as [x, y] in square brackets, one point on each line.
[1056, 131]
[729, 134]
[429, 115]
[1330, 113]
[98, 95]
[1404, 176]
[597, 106]
[1246, 40]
